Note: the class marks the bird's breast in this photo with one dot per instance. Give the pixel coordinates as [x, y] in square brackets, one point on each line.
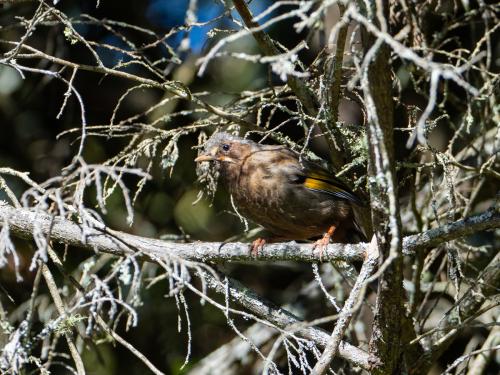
[288, 210]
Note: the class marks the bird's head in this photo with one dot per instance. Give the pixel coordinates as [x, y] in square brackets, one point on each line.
[225, 149]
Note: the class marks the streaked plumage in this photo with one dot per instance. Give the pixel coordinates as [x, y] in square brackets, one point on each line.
[272, 186]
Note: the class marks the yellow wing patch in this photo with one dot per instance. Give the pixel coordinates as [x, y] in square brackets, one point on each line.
[319, 174]
[323, 181]
[312, 183]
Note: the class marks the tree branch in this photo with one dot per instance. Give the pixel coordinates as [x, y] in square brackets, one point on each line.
[21, 222]
[479, 364]
[455, 320]
[266, 44]
[283, 318]
[61, 309]
[171, 87]
[430, 238]
[298, 86]
[357, 292]
[117, 243]
[229, 358]
[385, 342]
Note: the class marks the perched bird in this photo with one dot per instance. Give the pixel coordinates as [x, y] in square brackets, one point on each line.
[273, 186]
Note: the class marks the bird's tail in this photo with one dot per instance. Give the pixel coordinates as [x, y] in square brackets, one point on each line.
[362, 223]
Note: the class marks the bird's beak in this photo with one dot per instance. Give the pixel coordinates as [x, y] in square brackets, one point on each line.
[201, 158]
[226, 159]
[212, 156]
[209, 156]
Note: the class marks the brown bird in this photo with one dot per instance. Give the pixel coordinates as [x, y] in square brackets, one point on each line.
[273, 186]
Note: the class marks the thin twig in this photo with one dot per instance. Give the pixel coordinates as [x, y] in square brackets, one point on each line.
[58, 302]
[345, 316]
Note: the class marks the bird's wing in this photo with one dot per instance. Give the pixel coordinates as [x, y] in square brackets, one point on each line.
[312, 176]
[318, 179]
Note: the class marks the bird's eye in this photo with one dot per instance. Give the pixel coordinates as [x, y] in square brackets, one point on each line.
[225, 147]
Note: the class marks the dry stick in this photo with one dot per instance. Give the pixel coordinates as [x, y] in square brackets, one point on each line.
[433, 237]
[53, 256]
[166, 86]
[337, 158]
[266, 44]
[34, 294]
[459, 360]
[284, 319]
[58, 302]
[62, 311]
[225, 359]
[127, 345]
[21, 223]
[337, 67]
[333, 71]
[468, 307]
[357, 292]
[479, 364]
[298, 86]
[100, 69]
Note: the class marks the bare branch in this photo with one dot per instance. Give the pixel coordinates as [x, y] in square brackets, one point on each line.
[21, 223]
[284, 319]
[54, 292]
[377, 89]
[348, 310]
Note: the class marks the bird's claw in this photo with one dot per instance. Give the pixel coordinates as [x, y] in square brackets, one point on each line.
[323, 242]
[256, 246]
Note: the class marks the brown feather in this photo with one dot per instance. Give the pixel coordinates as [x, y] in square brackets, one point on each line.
[272, 187]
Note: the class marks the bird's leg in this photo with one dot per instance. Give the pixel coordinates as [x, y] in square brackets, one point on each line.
[323, 243]
[257, 245]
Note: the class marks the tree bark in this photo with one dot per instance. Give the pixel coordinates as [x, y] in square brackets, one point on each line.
[385, 343]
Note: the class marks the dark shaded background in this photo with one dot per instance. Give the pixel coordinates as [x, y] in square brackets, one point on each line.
[28, 142]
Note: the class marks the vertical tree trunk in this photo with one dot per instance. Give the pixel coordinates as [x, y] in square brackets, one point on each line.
[385, 342]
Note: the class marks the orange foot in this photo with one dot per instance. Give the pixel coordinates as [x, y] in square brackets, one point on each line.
[257, 245]
[323, 243]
